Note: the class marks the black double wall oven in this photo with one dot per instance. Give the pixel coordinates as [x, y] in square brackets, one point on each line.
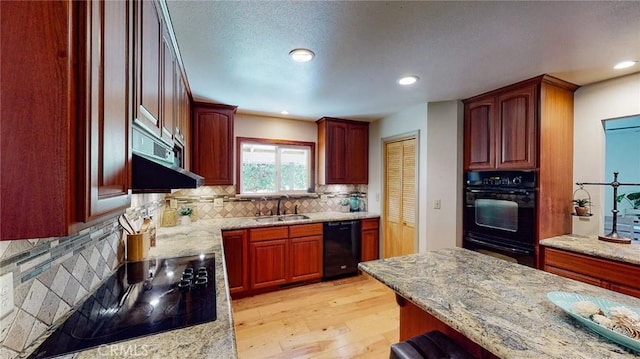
[500, 214]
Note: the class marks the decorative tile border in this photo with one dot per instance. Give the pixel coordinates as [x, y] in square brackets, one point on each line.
[52, 275]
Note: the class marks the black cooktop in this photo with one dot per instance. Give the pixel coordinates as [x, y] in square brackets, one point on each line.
[139, 299]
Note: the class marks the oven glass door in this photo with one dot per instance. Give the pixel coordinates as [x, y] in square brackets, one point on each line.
[502, 216]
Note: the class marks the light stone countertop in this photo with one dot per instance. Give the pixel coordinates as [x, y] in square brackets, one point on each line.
[208, 340]
[499, 305]
[591, 245]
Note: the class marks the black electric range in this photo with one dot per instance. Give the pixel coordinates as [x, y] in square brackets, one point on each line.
[139, 299]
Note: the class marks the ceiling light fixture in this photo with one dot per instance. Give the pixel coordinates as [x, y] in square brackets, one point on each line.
[284, 112]
[408, 80]
[624, 64]
[301, 55]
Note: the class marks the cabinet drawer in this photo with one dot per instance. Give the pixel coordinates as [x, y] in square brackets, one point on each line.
[608, 270]
[372, 223]
[304, 230]
[265, 234]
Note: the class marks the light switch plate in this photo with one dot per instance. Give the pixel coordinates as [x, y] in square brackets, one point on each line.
[6, 294]
[218, 202]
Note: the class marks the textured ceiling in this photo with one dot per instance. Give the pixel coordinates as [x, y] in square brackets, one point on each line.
[237, 52]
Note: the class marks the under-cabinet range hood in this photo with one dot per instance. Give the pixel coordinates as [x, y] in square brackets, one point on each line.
[153, 166]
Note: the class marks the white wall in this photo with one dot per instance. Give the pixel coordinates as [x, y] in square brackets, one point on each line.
[444, 168]
[275, 128]
[593, 103]
[439, 166]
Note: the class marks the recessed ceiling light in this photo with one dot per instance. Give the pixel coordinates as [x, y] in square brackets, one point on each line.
[301, 55]
[624, 64]
[284, 112]
[407, 80]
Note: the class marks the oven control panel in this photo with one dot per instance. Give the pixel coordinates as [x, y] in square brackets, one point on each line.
[511, 179]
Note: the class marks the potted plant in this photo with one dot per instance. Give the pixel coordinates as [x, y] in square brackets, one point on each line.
[581, 207]
[634, 200]
[344, 205]
[185, 213]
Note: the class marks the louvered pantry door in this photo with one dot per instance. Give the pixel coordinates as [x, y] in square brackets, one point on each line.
[399, 215]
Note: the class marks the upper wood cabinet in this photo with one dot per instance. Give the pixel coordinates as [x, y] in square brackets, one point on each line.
[148, 66]
[343, 151]
[105, 109]
[169, 97]
[74, 72]
[212, 147]
[501, 129]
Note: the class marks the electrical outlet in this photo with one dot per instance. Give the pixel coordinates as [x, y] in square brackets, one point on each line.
[173, 203]
[6, 294]
[437, 204]
[323, 198]
[218, 202]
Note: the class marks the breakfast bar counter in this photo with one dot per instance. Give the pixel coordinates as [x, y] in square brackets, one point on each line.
[500, 307]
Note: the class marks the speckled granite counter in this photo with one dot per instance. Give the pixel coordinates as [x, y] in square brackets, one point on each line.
[209, 340]
[591, 245]
[499, 305]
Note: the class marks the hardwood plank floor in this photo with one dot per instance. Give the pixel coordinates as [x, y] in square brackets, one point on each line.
[355, 317]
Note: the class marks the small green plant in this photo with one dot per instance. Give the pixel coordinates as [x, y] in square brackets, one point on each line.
[185, 211]
[344, 202]
[581, 202]
[633, 198]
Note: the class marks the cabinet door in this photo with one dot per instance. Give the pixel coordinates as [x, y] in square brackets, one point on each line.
[148, 66]
[38, 78]
[107, 107]
[212, 149]
[517, 129]
[269, 263]
[357, 156]
[236, 253]
[479, 134]
[168, 89]
[370, 240]
[336, 149]
[305, 260]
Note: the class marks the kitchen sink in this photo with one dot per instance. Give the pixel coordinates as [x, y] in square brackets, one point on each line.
[286, 218]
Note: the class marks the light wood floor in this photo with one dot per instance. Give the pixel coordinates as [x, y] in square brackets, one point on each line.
[355, 317]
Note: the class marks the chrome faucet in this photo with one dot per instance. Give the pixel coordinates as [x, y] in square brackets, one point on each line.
[285, 196]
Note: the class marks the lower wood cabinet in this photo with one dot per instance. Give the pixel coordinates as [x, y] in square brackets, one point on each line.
[236, 253]
[370, 247]
[617, 276]
[269, 263]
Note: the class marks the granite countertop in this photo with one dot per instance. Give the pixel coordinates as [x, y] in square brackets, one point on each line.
[214, 339]
[591, 245]
[499, 305]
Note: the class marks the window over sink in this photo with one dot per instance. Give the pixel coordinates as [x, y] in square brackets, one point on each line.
[268, 166]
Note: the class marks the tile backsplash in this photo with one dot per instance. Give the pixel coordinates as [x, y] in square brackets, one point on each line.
[326, 198]
[52, 275]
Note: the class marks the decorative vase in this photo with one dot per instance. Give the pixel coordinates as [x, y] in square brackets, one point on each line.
[582, 211]
[185, 220]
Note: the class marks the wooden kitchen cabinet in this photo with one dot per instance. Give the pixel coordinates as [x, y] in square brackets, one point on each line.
[236, 256]
[500, 130]
[212, 143]
[169, 95]
[148, 66]
[370, 247]
[527, 126]
[73, 72]
[284, 255]
[105, 108]
[343, 151]
[617, 276]
[305, 259]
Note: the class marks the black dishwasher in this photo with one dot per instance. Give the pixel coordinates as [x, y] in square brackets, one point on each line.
[341, 252]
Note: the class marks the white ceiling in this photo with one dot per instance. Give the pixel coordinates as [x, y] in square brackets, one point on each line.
[237, 52]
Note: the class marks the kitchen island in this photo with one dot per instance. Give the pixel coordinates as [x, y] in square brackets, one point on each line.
[498, 306]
